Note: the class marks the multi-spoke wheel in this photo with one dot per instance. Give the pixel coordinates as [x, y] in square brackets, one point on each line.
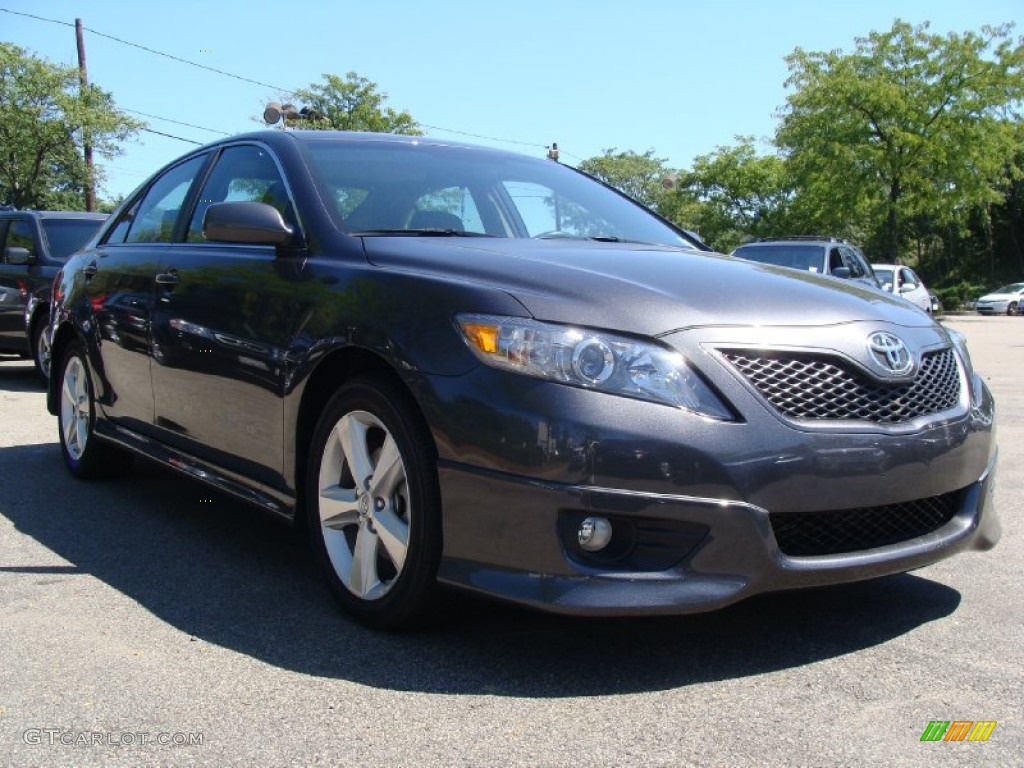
[41, 350]
[85, 456]
[373, 504]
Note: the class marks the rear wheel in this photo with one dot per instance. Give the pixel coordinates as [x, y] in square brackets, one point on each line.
[41, 350]
[373, 505]
[86, 457]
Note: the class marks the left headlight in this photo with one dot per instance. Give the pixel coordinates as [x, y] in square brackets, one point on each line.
[598, 360]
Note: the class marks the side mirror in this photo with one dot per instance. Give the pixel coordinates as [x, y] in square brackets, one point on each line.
[246, 222]
[908, 287]
[15, 254]
[843, 272]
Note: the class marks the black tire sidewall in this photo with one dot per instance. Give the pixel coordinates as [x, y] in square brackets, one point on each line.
[413, 594]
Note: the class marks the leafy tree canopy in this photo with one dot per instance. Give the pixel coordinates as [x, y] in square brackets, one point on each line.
[352, 103]
[44, 119]
[641, 177]
[739, 194]
[909, 124]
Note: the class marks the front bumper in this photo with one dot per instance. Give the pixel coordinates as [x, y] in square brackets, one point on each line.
[518, 459]
[739, 556]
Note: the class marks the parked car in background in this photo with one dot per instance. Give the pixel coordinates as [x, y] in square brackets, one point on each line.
[33, 247]
[1002, 301]
[818, 255]
[461, 366]
[903, 281]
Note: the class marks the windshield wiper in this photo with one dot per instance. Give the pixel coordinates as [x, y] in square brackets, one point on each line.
[426, 232]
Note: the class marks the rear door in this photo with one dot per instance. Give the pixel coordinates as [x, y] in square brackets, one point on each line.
[121, 287]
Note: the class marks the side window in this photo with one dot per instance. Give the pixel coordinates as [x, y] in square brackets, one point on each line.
[450, 208]
[855, 263]
[908, 278]
[119, 231]
[244, 173]
[835, 260]
[156, 214]
[20, 245]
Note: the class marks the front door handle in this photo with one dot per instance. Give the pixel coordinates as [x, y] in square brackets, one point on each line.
[170, 277]
[90, 269]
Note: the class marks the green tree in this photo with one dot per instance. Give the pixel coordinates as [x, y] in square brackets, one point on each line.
[44, 118]
[910, 124]
[642, 177]
[352, 103]
[738, 194]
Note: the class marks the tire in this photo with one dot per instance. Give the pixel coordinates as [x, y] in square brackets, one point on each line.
[373, 508]
[1011, 308]
[41, 350]
[86, 457]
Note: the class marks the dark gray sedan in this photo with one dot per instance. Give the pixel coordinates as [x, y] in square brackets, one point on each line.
[459, 366]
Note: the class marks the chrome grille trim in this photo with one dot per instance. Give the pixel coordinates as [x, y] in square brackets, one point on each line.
[820, 386]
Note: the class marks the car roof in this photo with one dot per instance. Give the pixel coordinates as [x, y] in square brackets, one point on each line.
[56, 214]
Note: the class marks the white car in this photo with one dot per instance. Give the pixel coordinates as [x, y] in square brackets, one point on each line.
[903, 281]
[1003, 301]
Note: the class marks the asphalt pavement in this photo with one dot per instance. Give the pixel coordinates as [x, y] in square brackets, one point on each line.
[150, 621]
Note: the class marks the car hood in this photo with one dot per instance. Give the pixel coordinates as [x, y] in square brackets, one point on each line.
[649, 290]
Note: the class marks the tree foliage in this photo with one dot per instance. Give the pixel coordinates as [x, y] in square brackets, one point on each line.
[739, 194]
[44, 119]
[353, 103]
[642, 177]
[911, 124]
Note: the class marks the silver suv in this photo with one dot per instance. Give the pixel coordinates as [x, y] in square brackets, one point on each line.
[821, 255]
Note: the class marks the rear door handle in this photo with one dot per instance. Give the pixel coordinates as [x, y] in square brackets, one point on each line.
[170, 277]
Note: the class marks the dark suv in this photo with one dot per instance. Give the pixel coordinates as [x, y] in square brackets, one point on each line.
[821, 255]
[33, 247]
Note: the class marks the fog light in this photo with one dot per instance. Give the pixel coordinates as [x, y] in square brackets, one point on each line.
[594, 533]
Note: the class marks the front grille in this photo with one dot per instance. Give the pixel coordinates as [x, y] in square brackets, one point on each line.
[805, 534]
[809, 386]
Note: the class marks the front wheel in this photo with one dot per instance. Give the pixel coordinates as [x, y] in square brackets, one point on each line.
[85, 456]
[1011, 308]
[373, 505]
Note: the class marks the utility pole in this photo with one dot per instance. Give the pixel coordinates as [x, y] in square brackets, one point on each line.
[83, 80]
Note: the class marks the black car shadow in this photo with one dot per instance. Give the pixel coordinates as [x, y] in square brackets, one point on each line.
[226, 574]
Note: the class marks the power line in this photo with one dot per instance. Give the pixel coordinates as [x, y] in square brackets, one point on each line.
[153, 51]
[176, 122]
[171, 136]
[254, 82]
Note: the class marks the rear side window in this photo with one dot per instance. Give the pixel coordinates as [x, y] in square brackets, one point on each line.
[154, 218]
[65, 236]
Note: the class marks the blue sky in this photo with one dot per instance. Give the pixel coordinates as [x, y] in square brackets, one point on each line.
[680, 78]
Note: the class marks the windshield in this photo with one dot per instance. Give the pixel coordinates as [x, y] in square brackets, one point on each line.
[1011, 288]
[388, 188]
[809, 258]
[65, 236]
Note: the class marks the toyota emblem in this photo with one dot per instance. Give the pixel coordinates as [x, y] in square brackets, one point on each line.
[890, 352]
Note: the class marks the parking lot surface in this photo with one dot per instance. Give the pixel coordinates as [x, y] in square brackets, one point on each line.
[149, 621]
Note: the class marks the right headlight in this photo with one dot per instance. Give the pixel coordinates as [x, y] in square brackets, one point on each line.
[599, 360]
